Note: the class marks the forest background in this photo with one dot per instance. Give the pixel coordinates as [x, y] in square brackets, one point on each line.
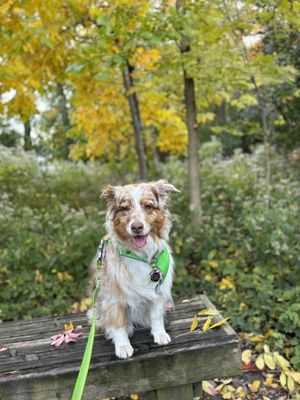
[203, 93]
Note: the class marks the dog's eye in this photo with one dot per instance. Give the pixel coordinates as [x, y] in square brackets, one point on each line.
[148, 207]
[124, 209]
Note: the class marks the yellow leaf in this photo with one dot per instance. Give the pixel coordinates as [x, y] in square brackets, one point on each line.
[269, 380]
[282, 362]
[257, 339]
[134, 397]
[194, 323]
[282, 379]
[219, 323]
[213, 264]
[246, 356]
[269, 360]
[290, 383]
[266, 349]
[207, 323]
[295, 376]
[69, 326]
[209, 388]
[254, 386]
[260, 362]
[208, 311]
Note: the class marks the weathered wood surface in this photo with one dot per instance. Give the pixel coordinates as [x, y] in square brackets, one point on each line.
[33, 369]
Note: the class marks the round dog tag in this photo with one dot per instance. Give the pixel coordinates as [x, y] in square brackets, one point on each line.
[155, 275]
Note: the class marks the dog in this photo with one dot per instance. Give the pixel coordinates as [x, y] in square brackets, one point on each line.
[136, 271]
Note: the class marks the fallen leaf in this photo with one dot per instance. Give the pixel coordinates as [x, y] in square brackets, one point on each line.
[58, 340]
[254, 386]
[134, 397]
[208, 311]
[260, 362]
[219, 323]
[68, 326]
[67, 336]
[269, 380]
[194, 324]
[258, 338]
[206, 324]
[213, 264]
[209, 388]
[246, 356]
[3, 349]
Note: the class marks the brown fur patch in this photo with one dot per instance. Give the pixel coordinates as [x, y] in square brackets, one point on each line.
[115, 316]
[122, 218]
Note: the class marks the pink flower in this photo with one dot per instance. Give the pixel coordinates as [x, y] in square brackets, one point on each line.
[67, 336]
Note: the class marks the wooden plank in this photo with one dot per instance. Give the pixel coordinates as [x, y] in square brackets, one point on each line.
[33, 366]
[150, 395]
[182, 392]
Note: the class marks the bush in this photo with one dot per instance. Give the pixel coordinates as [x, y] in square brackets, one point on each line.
[245, 256]
[50, 226]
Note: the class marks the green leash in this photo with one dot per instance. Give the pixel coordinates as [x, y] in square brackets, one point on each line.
[85, 363]
[160, 266]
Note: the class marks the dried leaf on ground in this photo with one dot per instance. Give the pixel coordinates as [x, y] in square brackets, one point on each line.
[206, 324]
[219, 323]
[246, 356]
[194, 324]
[3, 349]
[254, 386]
[68, 326]
[209, 388]
[208, 311]
[67, 336]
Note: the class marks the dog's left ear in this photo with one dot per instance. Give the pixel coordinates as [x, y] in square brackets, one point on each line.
[109, 194]
[161, 189]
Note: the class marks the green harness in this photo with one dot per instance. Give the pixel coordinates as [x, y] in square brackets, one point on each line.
[160, 265]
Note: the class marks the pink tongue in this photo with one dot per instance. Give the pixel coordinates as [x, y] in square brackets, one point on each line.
[140, 241]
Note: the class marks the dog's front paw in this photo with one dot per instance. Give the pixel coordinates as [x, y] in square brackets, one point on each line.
[161, 337]
[124, 351]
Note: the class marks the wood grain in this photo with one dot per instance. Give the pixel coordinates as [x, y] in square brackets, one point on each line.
[33, 369]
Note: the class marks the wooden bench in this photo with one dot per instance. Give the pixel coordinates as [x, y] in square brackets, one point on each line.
[32, 369]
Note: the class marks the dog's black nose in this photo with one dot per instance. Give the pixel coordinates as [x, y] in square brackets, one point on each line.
[137, 227]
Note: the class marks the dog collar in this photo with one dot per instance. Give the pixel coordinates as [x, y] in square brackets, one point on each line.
[159, 263]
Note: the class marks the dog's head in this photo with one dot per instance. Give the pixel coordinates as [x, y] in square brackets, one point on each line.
[137, 211]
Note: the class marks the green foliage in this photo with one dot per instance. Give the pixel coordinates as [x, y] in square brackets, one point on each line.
[50, 226]
[245, 257]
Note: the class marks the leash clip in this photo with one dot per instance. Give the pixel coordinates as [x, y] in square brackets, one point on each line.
[101, 252]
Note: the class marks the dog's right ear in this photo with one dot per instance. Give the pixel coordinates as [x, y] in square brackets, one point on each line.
[109, 194]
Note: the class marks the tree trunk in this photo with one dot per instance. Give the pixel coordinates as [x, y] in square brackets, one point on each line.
[193, 156]
[64, 111]
[191, 122]
[136, 120]
[27, 137]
